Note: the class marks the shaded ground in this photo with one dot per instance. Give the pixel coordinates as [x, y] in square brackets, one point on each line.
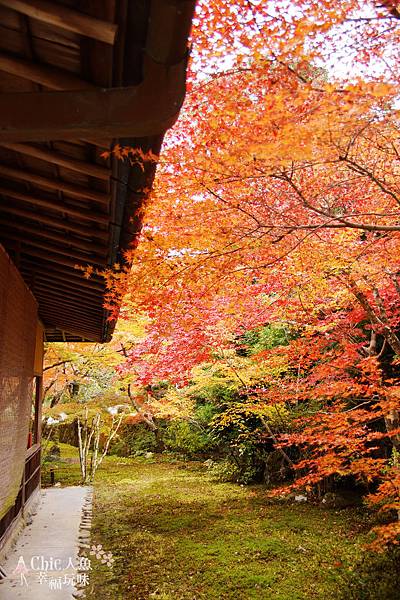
[175, 534]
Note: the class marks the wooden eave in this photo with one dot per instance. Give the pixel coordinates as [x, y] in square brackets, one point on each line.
[77, 77]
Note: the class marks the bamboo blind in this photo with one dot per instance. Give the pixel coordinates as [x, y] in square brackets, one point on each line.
[18, 322]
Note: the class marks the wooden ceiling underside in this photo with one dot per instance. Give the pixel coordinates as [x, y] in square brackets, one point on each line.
[61, 203]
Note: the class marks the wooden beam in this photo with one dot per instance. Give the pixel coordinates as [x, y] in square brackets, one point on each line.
[90, 169]
[57, 302]
[56, 205]
[91, 333]
[102, 144]
[39, 403]
[73, 313]
[52, 334]
[79, 315]
[53, 257]
[28, 243]
[96, 248]
[69, 331]
[46, 75]
[64, 278]
[63, 319]
[60, 307]
[68, 290]
[65, 300]
[169, 30]
[65, 284]
[65, 274]
[65, 18]
[76, 191]
[73, 290]
[144, 110]
[57, 223]
[93, 336]
[72, 327]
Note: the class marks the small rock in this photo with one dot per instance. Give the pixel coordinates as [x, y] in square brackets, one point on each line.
[55, 451]
[340, 500]
[300, 498]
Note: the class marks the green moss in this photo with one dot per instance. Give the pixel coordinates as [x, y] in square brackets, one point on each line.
[178, 535]
[175, 534]
[66, 470]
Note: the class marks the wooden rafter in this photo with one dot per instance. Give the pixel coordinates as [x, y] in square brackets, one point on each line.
[56, 158]
[147, 109]
[51, 77]
[57, 206]
[65, 18]
[66, 300]
[69, 290]
[61, 320]
[73, 328]
[63, 224]
[60, 308]
[69, 303]
[54, 257]
[63, 275]
[69, 334]
[28, 243]
[51, 334]
[76, 191]
[66, 240]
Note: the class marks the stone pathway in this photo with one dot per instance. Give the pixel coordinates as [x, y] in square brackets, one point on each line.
[43, 564]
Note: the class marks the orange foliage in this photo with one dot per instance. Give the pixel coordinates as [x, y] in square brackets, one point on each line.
[277, 200]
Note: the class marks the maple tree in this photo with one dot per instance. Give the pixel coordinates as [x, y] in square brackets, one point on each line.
[277, 201]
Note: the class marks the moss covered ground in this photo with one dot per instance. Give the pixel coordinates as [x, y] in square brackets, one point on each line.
[176, 534]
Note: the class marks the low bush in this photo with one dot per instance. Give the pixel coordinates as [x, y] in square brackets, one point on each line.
[184, 438]
[375, 577]
[227, 471]
[134, 440]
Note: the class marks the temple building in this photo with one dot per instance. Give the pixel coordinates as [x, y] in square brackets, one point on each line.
[76, 79]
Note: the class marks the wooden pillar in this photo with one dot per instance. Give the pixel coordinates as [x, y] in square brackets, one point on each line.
[38, 383]
[37, 427]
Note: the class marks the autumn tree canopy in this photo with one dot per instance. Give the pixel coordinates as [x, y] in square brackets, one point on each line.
[277, 201]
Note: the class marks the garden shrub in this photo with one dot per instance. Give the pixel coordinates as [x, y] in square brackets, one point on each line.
[228, 470]
[375, 577]
[184, 438]
[134, 440]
